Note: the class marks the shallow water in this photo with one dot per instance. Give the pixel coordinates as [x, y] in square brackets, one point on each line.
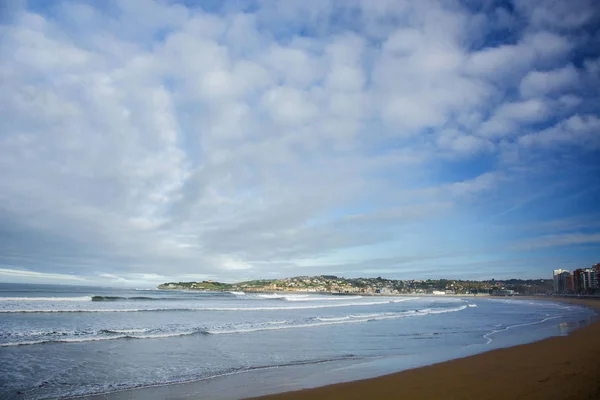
[71, 341]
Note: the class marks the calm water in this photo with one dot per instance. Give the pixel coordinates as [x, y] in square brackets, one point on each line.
[60, 341]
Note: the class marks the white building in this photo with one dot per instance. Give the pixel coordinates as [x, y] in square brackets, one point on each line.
[560, 280]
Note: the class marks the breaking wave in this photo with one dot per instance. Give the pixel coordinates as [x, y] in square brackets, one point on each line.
[98, 338]
[123, 331]
[488, 336]
[82, 298]
[336, 321]
[162, 309]
[37, 337]
[118, 298]
[304, 297]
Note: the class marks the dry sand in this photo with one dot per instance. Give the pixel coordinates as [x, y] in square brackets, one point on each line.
[566, 367]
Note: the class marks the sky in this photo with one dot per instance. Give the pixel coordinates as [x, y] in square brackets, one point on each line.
[151, 141]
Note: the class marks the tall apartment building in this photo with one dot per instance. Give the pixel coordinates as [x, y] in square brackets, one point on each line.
[585, 279]
[563, 281]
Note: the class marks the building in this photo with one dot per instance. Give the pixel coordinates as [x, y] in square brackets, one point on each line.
[596, 269]
[594, 283]
[577, 280]
[570, 283]
[585, 280]
[562, 280]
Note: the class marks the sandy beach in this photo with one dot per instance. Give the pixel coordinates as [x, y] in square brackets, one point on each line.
[566, 367]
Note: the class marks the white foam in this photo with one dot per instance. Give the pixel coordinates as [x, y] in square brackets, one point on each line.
[357, 318]
[268, 308]
[163, 335]
[80, 310]
[264, 326]
[23, 343]
[69, 340]
[49, 333]
[403, 299]
[306, 307]
[269, 296]
[125, 331]
[365, 315]
[304, 297]
[82, 298]
[320, 298]
[444, 310]
[126, 334]
[489, 339]
[325, 319]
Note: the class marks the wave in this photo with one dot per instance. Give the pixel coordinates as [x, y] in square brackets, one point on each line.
[303, 297]
[124, 335]
[442, 311]
[364, 315]
[336, 321]
[487, 336]
[59, 333]
[87, 310]
[69, 340]
[302, 307]
[321, 298]
[224, 373]
[268, 296]
[83, 298]
[141, 333]
[123, 331]
[325, 319]
[119, 298]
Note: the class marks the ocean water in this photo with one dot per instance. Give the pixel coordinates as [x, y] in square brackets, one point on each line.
[66, 341]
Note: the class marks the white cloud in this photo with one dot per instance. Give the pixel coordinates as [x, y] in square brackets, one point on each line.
[38, 276]
[463, 145]
[578, 130]
[236, 142]
[558, 14]
[541, 83]
[506, 64]
[510, 117]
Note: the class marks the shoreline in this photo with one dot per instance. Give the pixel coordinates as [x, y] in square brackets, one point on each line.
[560, 367]
[350, 381]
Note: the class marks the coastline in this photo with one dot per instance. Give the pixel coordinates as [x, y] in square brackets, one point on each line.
[562, 367]
[525, 366]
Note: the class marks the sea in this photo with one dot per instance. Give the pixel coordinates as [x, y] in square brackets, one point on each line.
[61, 342]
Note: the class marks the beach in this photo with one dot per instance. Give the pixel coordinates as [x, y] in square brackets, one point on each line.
[565, 367]
[123, 344]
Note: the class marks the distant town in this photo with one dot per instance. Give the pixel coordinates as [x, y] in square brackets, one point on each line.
[376, 286]
[582, 281]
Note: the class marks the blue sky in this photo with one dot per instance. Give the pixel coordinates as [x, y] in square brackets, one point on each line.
[149, 141]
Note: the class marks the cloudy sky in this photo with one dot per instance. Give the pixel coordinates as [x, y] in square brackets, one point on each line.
[147, 141]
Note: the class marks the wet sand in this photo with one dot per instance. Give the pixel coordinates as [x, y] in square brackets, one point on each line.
[566, 367]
